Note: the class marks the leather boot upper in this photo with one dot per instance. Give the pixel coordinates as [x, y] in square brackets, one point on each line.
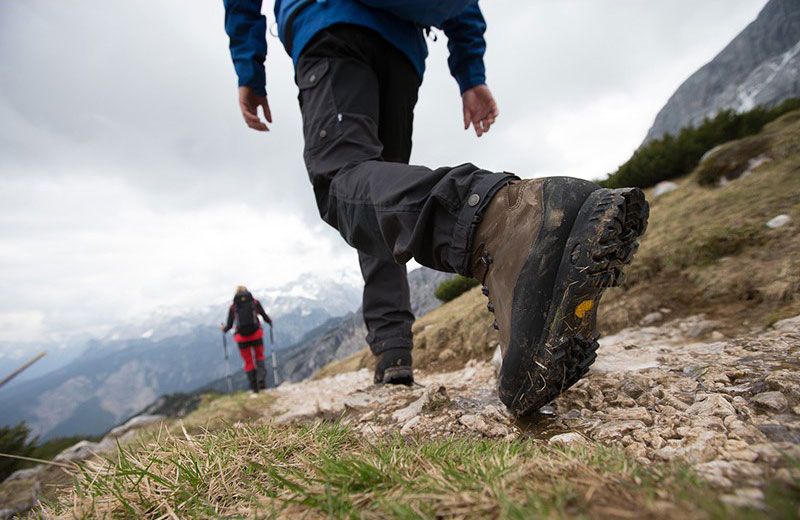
[509, 227]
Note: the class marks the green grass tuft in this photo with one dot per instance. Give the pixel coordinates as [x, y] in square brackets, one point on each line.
[327, 469]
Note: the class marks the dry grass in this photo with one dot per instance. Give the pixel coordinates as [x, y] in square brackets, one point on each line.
[444, 339]
[707, 249]
[327, 470]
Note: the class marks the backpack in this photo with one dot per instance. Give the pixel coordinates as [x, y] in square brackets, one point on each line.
[246, 315]
[425, 13]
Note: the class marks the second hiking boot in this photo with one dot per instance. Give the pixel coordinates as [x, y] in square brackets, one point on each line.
[252, 380]
[394, 367]
[545, 251]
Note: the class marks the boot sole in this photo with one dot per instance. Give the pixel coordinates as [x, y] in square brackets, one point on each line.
[398, 376]
[603, 239]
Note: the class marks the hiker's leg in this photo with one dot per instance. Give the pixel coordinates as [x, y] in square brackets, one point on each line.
[261, 369]
[247, 356]
[388, 210]
[386, 302]
[246, 352]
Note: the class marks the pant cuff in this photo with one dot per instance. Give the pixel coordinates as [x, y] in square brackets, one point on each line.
[458, 256]
[379, 347]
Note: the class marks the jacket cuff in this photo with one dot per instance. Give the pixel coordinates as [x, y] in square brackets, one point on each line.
[252, 75]
[470, 76]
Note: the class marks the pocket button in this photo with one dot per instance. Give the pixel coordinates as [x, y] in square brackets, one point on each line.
[323, 133]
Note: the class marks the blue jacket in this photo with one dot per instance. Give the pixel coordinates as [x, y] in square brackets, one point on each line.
[401, 22]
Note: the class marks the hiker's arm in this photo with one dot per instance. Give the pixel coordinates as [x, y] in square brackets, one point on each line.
[262, 312]
[467, 46]
[229, 325]
[246, 28]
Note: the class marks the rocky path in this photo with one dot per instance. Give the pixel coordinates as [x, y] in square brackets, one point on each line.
[677, 391]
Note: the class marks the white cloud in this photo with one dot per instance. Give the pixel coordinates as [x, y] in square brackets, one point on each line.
[20, 326]
[99, 251]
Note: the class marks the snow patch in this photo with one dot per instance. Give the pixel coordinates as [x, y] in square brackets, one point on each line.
[147, 334]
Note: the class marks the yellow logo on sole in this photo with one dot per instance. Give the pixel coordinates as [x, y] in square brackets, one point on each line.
[584, 307]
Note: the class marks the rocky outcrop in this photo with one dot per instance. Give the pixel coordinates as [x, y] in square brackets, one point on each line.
[761, 66]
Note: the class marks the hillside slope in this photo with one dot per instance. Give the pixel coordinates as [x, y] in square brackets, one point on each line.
[691, 410]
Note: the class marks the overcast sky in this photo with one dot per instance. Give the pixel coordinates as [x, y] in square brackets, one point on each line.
[128, 181]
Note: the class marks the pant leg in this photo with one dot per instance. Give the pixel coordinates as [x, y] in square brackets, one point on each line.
[261, 368]
[388, 210]
[247, 356]
[386, 303]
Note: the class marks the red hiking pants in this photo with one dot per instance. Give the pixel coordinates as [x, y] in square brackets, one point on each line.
[247, 355]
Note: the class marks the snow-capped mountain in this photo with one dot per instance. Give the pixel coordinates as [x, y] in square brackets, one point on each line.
[296, 307]
[179, 350]
[761, 66]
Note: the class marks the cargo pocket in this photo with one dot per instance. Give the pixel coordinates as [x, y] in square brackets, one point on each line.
[317, 104]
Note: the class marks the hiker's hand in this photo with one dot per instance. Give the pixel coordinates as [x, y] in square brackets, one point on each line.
[480, 109]
[222, 328]
[249, 102]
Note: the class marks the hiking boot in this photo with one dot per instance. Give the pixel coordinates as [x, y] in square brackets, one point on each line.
[261, 374]
[252, 380]
[545, 251]
[394, 367]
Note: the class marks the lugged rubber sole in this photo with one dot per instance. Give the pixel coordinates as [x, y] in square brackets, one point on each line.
[603, 239]
[398, 376]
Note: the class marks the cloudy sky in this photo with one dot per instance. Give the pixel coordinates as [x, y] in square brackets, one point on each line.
[128, 180]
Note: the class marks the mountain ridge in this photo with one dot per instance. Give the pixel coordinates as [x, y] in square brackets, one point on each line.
[760, 66]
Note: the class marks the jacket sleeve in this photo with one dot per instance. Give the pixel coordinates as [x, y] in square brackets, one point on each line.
[467, 46]
[229, 324]
[247, 30]
[262, 312]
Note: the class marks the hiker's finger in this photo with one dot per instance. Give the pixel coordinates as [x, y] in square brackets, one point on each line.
[467, 117]
[252, 120]
[267, 111]
[478, 128]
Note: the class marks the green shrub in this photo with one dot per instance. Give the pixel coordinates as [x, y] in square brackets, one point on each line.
[671, 157]
[14, 441]
[454, 287]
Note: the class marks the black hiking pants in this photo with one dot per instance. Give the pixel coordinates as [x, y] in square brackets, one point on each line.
[357, 97]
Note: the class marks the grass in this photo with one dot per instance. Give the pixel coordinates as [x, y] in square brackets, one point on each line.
[707, 249]
[327, 470]
[444, 339]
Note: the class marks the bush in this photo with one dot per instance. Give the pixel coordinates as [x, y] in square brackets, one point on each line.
[671, 157]
[14, 441]
[454, 287]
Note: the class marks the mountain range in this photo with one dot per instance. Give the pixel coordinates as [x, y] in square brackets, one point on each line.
[760, 67]
[173, 351]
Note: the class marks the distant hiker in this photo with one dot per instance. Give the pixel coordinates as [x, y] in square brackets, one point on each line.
[544, 249]
[245, 311]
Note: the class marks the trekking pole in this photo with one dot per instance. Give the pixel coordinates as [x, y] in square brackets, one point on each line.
[274, 357]
[21, 369]
[227, 362]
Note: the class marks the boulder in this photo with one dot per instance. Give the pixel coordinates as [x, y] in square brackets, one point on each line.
[778, 221]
